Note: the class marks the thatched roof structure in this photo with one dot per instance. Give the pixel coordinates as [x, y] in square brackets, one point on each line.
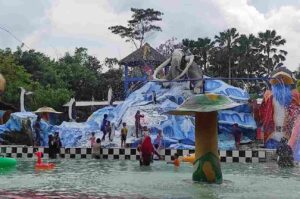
[142, 56]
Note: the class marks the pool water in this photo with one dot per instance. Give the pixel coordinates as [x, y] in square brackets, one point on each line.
[126, 179]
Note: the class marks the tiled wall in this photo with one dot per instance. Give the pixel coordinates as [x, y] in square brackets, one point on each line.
[242, 156]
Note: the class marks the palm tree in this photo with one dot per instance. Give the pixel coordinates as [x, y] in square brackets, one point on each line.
[228, 40]
[248, 54]
[201, 49]
[269, 40]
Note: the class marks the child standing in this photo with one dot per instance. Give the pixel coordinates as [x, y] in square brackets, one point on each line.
[103, 126]
[93, 139]
[124, 132]
[108, 130]
[96, 149]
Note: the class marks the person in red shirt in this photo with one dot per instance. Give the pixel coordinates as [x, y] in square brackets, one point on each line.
[146, 150]
[138, 125]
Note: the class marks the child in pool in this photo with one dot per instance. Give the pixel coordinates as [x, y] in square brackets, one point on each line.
[93, 139]
[124, 132]
[176, 161]
[96, 149]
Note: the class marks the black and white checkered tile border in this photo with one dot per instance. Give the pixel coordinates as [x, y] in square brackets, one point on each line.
[242, 156]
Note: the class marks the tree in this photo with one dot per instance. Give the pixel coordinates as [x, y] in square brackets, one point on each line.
[16, 76]
[201, 49]
[228, 41]
[114, 78]
[47, 96]
[111, 62]
[269, 40]
[77, 72]
[218, 60]
[140, 24]
[167, 48]
[249, 55]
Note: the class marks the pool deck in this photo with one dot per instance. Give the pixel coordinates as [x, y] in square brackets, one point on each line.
[258, 155]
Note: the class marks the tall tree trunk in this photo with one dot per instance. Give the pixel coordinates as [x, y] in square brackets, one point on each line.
[229, 70]
[268, 63]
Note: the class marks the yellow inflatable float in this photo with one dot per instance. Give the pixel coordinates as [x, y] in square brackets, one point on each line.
[189, 158]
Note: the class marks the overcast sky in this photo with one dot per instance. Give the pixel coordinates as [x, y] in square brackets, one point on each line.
[57, 26]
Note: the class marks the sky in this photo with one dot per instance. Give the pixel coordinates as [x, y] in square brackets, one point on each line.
[55, 27]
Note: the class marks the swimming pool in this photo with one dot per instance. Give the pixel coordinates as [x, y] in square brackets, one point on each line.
[126, 179]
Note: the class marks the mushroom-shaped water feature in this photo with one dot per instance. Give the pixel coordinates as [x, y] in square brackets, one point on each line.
[204, 107]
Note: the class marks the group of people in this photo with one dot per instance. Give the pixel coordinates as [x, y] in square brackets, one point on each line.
[96, 146]
[147, 151]
[284, 151]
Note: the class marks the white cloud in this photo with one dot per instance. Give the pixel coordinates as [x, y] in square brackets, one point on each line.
[78, 21]
[285, 20]
[72, 23]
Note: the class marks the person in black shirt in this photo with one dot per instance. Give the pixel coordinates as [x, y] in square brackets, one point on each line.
[285, 154]
[52, 147]
[37, 131]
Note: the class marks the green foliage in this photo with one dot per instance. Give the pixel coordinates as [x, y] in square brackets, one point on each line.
[55, 82]
[298, 85]
[47, 96]
[141, 23]
[200, 49]
[240, 55]
[269, 40]
[168, 47]
[16, 76]
[113, 78]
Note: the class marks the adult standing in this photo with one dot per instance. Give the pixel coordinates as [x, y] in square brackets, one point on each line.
[104, 126]
[57, 142]
[37, 131]
[138, 126]
[146, 151]
[52, 147]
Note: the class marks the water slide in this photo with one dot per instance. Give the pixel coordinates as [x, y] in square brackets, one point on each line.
[178, 130]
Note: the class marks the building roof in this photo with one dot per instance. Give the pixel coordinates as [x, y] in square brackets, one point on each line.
[144, 55]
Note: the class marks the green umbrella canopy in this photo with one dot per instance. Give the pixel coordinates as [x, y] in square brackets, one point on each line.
[204, 103]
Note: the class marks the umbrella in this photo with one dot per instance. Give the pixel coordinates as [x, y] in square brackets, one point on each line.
[46, 109]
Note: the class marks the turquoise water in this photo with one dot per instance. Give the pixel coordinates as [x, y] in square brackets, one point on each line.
[126, 179]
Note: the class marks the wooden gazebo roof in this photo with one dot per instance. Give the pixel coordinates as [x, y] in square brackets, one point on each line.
[144, 55]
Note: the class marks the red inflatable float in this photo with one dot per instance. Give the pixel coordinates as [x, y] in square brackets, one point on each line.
[40, 165]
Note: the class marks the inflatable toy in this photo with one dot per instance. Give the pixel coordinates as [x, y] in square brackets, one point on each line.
[7, 162]
[42, 166]
[204, 107]
[189, 158]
